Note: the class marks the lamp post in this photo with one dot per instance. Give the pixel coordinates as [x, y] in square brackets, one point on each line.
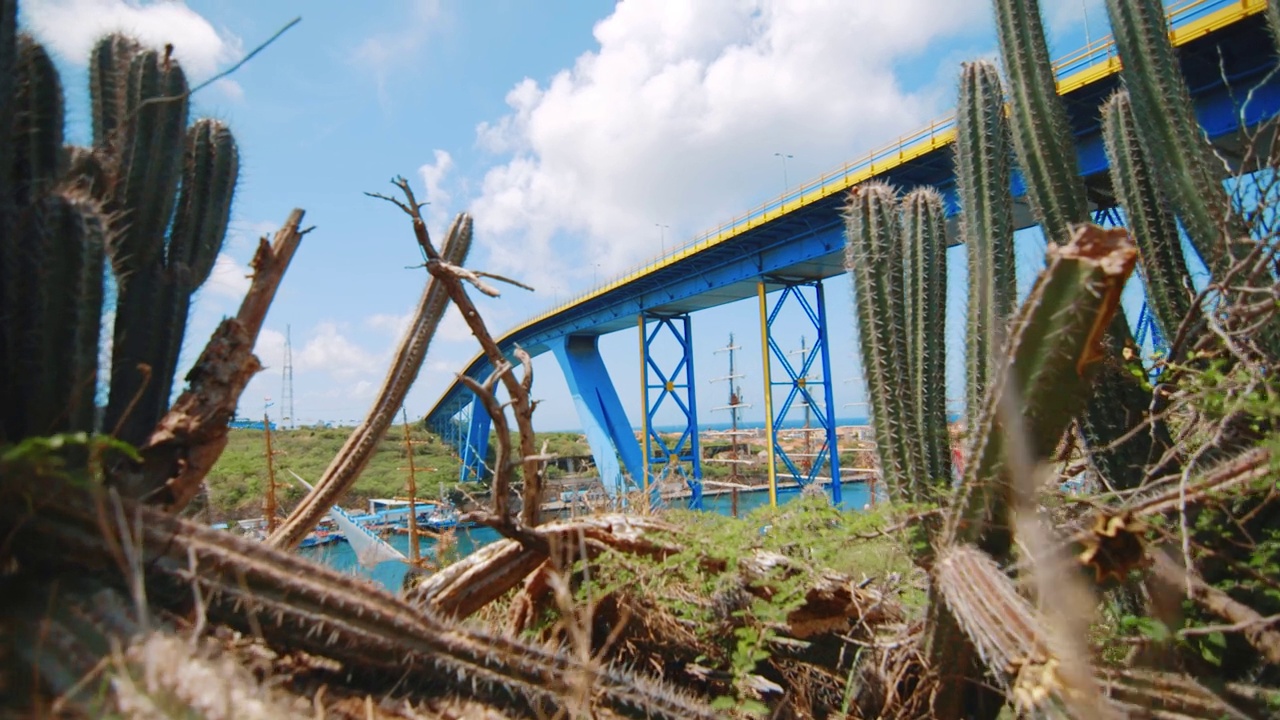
[662, 235]
[786, 185]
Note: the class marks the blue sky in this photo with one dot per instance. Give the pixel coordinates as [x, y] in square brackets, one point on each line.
[571, 130]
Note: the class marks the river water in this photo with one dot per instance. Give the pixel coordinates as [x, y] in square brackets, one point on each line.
[854, 496]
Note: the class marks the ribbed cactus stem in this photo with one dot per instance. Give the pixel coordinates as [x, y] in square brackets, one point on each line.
[108, 75]
[873, 257]
[210, 169]
[1273, 20]
[1148, 214]
[148, 141]
[8, 209]
[1054, 345]
[983, 172]
[1041, 132]
[62, 237]
[155, 119]
[38, 158]
[1185, 167]
[925, 266]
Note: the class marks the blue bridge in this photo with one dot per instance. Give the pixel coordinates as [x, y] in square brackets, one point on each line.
[781, 252]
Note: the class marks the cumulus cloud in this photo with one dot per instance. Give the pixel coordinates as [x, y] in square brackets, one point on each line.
[71, 27]
[332, 352]
[229, 279]
[676, 117]
[434, 175]
[384, 51]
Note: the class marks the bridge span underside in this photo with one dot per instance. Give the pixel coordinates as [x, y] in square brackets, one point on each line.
[797, 241]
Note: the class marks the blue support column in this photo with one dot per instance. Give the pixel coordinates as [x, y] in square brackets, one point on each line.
[603, 420]
[663, 459]
[800, 388]
[475, 446]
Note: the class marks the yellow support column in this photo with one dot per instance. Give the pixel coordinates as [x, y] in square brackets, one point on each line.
[768, 397]
[644, 409]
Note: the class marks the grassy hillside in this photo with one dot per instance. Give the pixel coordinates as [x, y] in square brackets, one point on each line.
[238, 481]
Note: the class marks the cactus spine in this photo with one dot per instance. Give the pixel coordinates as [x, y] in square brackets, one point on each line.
[925, 275]
[1169, 130]
[873, 256]
[1273, 20]
[1148, 213]
[983, 170]
[1041, 133]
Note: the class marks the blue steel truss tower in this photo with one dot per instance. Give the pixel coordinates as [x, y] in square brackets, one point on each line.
[799, 384]
[670, 385]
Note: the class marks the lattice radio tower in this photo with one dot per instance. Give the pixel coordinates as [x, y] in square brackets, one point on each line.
[286, 392]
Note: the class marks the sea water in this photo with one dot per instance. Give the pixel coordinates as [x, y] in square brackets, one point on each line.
[853, 496]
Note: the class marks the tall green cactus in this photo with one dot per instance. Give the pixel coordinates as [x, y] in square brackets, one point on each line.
[1046, 150]
[52, 257]
[1186, 169]
[1041, 133]
[1147, 212]
[38, 158]
[925, 276]
[983, 172]
[873, 257]
[170, 239]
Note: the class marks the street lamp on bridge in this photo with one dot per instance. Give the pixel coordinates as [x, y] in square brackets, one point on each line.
[785, 184]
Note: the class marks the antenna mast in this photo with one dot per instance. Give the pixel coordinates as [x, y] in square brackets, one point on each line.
[286, 392]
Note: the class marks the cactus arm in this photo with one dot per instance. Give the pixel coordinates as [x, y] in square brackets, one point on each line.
[1169, 130]
[1041, 132]
[63, 235]
[209, 173]
[153, 119]
[108, 74]
[1147, 212]
[983, 169]
[926, 272]
[38, 157]
[155, 115]
[1050, 361]
[873, 257]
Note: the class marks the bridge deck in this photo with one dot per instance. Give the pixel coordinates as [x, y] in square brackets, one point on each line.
[799, 235]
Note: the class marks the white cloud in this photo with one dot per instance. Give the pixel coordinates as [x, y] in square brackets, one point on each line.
[433, 177]
[71, 27]
[383, 51]
[332, 352]
[1063, 14]
[229, 278]
[675, 120]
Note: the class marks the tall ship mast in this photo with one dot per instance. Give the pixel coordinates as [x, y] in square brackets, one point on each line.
[735, 406]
